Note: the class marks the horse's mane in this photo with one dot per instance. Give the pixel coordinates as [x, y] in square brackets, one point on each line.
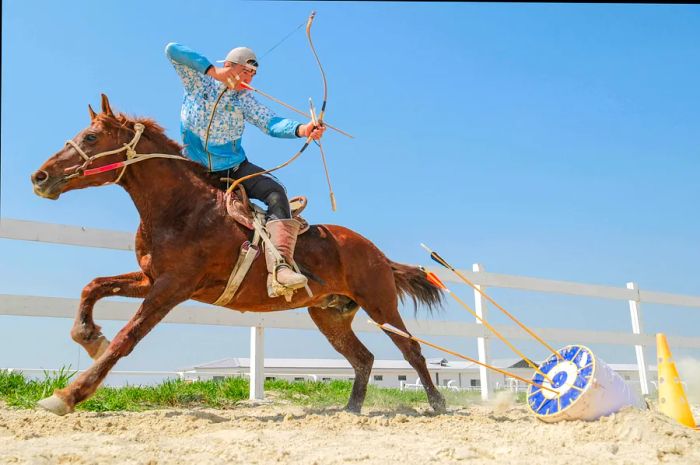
[152, 131]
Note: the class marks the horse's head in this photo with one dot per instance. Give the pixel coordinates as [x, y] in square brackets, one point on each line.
[89, 149]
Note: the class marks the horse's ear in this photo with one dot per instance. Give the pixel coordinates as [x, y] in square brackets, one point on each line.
[93, 115]
[105, 106]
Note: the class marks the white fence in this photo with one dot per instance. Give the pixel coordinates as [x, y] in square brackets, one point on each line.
[23, 305]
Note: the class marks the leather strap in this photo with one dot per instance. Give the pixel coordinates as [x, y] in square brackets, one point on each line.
[240, 270]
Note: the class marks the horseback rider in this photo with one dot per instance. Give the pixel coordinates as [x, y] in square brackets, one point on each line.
[214, 110]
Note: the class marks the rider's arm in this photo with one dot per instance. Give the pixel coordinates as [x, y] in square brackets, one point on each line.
[186, 56]
[189, 65]
[265, 119]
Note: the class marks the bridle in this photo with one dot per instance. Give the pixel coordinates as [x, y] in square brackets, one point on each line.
[131, 157]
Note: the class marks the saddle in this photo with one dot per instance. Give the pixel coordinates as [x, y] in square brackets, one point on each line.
[241, 209]
[253, 217]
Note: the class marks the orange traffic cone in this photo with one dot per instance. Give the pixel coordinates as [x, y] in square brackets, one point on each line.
[672, 399]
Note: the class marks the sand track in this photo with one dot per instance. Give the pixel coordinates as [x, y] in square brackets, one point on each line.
[292, 435]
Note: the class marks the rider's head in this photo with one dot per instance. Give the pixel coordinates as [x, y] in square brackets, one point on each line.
[244, 62]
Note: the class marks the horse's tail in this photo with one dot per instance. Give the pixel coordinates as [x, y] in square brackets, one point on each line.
[411, 281]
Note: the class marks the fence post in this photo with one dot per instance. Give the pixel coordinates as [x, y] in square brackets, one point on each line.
[257, 363]
[635, 315]
[483, 342]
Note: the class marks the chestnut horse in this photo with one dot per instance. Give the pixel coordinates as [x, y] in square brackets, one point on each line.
[187, 245]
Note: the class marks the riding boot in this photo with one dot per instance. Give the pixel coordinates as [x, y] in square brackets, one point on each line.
[283, 235]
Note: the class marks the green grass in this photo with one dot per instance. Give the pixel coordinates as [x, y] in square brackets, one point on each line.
[17, 391]
[169, 393]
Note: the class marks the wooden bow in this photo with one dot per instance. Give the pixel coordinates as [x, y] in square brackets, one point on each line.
[319, 121]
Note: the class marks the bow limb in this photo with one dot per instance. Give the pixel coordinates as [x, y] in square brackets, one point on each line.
[323, 156]
[323, 73]
[238, 181]
[319, 119]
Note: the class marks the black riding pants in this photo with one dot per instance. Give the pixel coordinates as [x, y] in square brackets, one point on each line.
[264, 187]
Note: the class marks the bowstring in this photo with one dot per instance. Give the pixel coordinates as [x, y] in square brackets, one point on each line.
[283, 40]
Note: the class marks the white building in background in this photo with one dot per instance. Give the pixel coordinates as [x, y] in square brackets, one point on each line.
[460, 375]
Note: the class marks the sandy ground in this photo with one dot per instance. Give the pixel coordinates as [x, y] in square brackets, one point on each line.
[281, 434]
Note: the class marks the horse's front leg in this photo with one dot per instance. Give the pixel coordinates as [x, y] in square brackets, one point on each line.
[165, 294]
[85, 332]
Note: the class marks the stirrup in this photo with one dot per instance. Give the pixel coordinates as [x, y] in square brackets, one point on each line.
[275, 289]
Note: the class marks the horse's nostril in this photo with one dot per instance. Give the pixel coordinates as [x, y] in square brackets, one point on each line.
[40, 177]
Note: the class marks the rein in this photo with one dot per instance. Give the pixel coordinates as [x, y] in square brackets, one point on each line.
[131, 157]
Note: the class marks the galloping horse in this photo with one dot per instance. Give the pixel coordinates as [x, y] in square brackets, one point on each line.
[187, 244]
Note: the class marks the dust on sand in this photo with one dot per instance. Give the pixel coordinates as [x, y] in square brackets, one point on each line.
[284, 434]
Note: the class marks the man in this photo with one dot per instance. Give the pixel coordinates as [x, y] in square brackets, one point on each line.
[212, 135]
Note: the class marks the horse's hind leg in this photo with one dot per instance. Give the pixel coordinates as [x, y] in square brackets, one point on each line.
[388, 313]
[85, 332]
[336, 326]
[412, 353]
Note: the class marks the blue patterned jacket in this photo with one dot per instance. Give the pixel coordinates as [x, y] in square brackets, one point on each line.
[235, 107]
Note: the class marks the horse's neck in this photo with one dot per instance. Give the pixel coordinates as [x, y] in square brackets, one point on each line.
[163, 187]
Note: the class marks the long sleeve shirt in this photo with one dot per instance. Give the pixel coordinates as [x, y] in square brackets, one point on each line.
[224, 147]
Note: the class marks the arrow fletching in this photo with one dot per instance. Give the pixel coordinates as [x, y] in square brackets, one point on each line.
[434, 280]
[438, 259]
[435, 256]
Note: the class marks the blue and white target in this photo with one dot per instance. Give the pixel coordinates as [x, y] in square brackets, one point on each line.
[585, 387]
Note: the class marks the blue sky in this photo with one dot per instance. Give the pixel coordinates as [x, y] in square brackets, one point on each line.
[556, 141]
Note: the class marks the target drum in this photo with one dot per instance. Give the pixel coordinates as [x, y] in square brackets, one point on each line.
[582, 387]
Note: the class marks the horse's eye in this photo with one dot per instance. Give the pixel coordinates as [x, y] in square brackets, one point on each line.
[90, 138]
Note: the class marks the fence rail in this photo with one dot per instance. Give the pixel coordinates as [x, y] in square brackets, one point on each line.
[21, 305]
[61, 307]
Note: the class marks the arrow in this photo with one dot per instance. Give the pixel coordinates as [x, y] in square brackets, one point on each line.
[432, 277]
[437, 258]
[393, 329]
[286, 105]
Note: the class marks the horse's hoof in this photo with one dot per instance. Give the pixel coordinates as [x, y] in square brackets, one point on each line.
[439, 406]
[104, 344]
[440, 410]
[55, 404]
[355, 409]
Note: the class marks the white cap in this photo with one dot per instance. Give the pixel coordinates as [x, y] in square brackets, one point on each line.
[242, 56]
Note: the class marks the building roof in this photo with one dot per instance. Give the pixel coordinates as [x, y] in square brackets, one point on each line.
[315, 363]
[338, 363]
